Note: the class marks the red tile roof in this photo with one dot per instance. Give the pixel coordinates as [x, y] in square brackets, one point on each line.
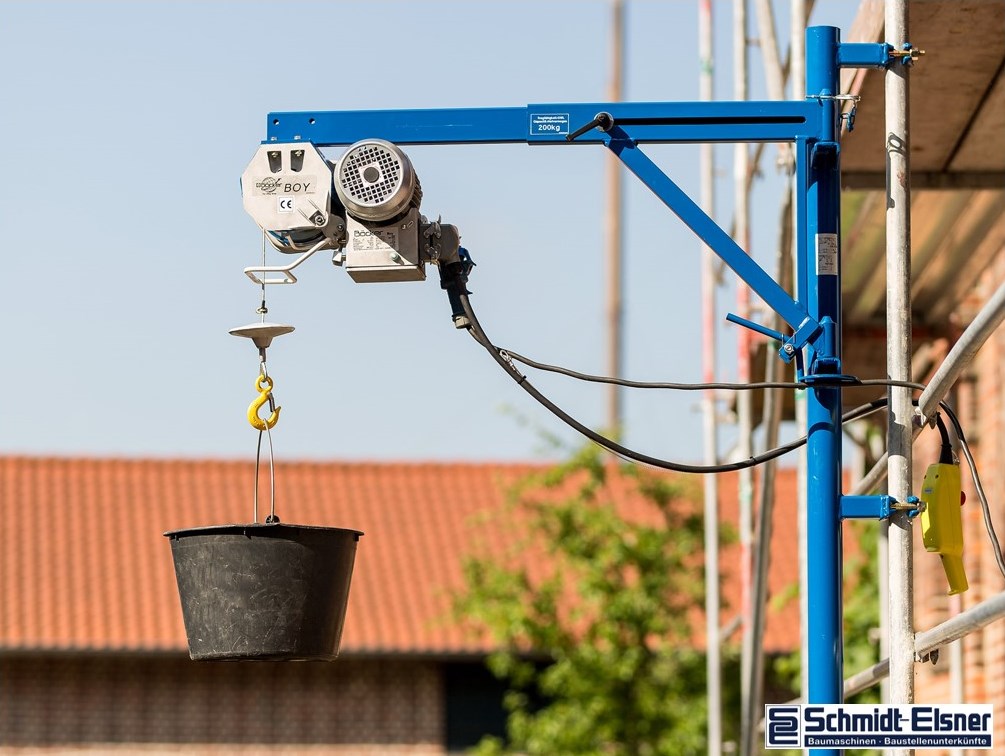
[84, 565]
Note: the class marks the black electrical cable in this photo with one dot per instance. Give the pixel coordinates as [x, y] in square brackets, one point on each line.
[888, 382]
[501, 358]
[505, 359]
[508, 353]
[985, 507]
[647, 384]
[946, 453]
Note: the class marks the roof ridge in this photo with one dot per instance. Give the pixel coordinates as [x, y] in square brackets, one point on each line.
[213, 460]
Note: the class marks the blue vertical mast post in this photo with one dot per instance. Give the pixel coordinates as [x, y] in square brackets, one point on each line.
[820, 261]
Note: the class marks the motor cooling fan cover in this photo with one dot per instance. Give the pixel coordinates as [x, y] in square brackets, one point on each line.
[376, 181]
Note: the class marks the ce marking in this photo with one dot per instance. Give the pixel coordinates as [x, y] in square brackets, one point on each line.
[285, 204]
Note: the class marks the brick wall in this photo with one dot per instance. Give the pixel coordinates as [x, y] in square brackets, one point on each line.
[172, 705]
[980, 403]
[988, 665]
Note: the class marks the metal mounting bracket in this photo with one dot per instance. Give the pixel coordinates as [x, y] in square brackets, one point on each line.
[866, 507]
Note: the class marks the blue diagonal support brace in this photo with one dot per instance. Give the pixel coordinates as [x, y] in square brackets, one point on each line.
[805, 327]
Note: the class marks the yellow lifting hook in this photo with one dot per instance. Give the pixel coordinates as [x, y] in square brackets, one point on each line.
[264, 384]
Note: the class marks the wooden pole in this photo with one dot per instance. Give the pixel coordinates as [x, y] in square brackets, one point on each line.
[613, 231]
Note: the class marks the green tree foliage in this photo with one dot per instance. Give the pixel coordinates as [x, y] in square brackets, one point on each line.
[861, 606]
[610, 607]
[860, 613]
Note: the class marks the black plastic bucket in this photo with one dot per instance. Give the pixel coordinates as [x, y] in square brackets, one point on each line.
[263, 591]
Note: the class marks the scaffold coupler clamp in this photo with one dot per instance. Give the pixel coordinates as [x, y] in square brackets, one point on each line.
[912, 505]
[906, 55]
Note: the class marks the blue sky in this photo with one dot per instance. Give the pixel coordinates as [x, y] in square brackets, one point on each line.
[128, 126]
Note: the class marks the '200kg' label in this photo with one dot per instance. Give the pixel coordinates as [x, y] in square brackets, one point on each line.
[549, 124]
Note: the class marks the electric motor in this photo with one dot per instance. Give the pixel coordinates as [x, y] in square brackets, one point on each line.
[375, 181]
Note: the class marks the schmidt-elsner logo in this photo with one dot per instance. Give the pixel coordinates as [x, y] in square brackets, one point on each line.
[878, 726]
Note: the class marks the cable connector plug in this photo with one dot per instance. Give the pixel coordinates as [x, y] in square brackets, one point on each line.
[454, 280]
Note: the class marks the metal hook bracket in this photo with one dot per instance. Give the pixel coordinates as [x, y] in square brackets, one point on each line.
[287, 270]
[264, 384]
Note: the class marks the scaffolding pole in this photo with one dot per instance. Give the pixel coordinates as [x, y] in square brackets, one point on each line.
[973, 619]
[713, 662]
[900, 431]
[771, 418]
[799, 15]
[744, 408]
[963, 352]
[613, 233]
[774, 73]
[958, 359]
[957, 687]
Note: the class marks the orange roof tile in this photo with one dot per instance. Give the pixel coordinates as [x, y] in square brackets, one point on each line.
[84, 565]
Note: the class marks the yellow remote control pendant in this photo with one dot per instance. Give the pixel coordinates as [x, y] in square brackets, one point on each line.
[942, 521]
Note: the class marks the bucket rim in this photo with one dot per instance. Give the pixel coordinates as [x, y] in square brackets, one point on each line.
[263, 528]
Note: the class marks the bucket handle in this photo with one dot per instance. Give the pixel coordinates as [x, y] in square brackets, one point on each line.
[266, 431]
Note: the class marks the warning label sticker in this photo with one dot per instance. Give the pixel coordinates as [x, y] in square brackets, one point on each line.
[827, 254]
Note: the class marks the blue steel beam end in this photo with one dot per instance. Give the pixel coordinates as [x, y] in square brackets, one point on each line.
[866, 507]
[864, 55]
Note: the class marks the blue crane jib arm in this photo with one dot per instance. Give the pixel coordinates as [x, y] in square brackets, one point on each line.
[623, 127]
[551, 123]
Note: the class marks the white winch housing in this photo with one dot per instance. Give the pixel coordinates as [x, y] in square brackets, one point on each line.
[287, 188]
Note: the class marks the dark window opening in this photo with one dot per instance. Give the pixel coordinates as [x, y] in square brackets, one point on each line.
[474, 704]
